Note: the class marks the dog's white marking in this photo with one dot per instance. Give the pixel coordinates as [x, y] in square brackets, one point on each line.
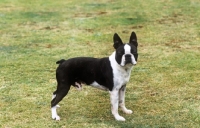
[120, 78]
[54, 113]
[78, 86]
[53, 110]
[127, 49]
[122, 101]
[53, 96]
[97, 85]
[114, 98]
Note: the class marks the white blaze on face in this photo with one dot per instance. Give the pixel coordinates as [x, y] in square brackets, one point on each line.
[127, 50]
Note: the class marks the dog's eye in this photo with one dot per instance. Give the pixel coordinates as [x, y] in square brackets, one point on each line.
[120, 53]
[132, 51]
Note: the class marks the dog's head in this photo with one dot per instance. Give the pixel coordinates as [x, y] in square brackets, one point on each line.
[126, 53]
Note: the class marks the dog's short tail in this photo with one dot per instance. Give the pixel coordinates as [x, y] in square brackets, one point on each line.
[60, 61]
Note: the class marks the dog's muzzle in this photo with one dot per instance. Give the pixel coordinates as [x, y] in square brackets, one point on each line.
[128, 59]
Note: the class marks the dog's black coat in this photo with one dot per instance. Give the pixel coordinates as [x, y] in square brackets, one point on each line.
[82, 70]
[85, 70]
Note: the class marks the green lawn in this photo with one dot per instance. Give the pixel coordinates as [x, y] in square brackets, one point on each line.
[163, 91]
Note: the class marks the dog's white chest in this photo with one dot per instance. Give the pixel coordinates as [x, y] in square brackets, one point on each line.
[121, 75]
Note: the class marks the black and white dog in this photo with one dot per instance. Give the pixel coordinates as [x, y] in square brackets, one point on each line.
[110, 73]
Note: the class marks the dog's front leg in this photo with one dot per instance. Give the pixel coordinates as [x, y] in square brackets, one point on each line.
[114, 98]
[122, 100]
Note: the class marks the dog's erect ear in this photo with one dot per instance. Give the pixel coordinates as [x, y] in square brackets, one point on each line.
[117, 41]
[133, 39]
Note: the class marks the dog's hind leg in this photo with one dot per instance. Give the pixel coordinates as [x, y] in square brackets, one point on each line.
[58, 95]
[54, 113]
[122, 100]
[53, 96]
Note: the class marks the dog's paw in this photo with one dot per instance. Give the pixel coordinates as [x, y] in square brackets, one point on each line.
[128, 111]
[119, 118]
[56, 117]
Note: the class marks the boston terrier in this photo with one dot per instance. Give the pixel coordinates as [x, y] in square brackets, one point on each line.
[110, 73]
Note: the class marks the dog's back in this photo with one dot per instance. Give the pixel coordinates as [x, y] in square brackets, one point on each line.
[84, 69]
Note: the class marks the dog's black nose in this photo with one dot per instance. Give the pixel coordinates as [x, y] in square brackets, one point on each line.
[128, 56]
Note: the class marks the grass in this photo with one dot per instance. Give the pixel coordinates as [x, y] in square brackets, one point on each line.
[164, 87]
